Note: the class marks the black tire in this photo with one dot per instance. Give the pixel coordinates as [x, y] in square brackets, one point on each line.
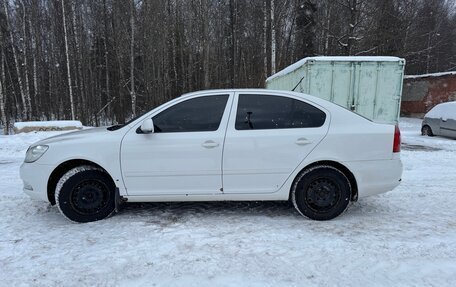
[427, 131]
[321, 192]
[85, 194]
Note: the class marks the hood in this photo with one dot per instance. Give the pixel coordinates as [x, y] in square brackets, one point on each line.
[71, 136]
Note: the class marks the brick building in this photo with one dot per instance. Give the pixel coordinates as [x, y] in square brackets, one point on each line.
[423, 92]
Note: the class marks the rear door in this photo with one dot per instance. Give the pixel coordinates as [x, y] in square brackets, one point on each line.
[268, 136]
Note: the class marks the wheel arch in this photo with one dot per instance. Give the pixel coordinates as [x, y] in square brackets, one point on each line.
[350, 176]
[61, 169]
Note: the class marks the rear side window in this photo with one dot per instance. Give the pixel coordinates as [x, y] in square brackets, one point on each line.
[260, 112]
[202, 114]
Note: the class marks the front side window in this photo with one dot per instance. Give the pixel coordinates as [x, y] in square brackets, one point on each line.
[259, 112]
[200, 114]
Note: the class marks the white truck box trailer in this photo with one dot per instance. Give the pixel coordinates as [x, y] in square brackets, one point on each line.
[369, 86]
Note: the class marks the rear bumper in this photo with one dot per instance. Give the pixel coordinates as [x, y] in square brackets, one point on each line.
[375, 177]
[35, 177]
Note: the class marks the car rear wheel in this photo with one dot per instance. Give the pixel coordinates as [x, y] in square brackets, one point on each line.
[85, 194]
[427, 131]
[321, 193]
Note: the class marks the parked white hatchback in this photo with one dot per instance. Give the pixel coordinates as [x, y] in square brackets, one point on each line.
[440, 121]
[237, 145]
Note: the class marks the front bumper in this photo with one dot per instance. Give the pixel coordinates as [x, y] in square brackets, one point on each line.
[35, 177]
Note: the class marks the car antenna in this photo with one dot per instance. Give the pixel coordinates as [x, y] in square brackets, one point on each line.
[298, 84]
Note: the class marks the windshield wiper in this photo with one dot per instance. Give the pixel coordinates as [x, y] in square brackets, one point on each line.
[115, 127]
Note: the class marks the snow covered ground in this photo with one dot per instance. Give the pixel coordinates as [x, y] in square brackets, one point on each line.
[403, 238]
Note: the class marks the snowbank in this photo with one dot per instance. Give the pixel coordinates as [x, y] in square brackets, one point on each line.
[25, 127]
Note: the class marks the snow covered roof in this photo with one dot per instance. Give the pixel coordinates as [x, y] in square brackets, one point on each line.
[301, 62]
[444, 110]
[431, 75]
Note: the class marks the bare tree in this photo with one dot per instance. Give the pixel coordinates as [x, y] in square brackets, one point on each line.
[16, 62]
[132, 59]
[24, 53]
[67, 55]
[273, 38]
[2, 96]
[79, 79]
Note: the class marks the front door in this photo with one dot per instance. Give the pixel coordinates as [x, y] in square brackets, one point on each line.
[267, 137]
[448, 127]
[183, 155]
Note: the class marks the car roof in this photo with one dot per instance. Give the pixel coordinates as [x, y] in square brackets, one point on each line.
[310, 98]
[446, 104]
[442, 110]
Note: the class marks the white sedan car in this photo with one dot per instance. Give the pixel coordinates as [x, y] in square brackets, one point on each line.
[218, 145]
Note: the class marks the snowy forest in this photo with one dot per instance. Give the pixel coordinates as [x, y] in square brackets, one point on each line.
[106, 61]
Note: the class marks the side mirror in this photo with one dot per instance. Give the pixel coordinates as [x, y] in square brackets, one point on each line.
[147, 126]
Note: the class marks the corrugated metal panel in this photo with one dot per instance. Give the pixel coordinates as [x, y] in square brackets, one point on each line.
[371, 88]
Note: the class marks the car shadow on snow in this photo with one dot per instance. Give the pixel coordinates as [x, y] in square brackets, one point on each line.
[176, 211]
[360, 218]
[266, 208]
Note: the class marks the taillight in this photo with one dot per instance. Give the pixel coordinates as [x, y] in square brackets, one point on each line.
[397, 140]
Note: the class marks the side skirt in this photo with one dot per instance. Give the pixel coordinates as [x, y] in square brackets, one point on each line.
[215, 197]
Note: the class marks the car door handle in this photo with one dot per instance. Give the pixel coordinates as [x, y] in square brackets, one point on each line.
[210, 144]
[302, 141]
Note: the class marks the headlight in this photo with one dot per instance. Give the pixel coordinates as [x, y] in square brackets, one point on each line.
[35, 152]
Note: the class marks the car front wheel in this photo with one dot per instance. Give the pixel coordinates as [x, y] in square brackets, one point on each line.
[85, 194]
[321, 192]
